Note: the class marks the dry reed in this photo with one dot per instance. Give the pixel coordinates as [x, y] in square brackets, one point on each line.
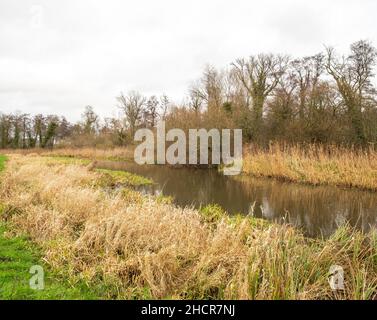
[147, 249]
[314, 164]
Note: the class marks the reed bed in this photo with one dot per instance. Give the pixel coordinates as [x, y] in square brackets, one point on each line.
[314, 164]
[141, 248]
[310, 164]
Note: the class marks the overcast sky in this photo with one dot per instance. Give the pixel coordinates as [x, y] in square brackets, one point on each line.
[59, 56]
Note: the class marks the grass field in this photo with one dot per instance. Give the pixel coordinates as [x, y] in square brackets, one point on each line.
[136, 247]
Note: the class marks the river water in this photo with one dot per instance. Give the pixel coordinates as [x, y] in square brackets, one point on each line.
[317, 211]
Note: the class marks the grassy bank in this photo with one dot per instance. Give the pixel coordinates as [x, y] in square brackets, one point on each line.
[17, 255]
[140, 248]
[316, 165]
[114, 154]
[311, 164]
[2, 162]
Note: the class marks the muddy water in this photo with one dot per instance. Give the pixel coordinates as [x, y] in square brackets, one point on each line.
[318, 211]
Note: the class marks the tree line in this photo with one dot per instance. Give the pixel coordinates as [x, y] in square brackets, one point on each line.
[324, 98]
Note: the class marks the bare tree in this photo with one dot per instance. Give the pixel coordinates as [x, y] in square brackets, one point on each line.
[307, 72]
[5, 128]
[164, 105]
[353, 76]
[90, 120]
[195, 99]
[260, 75]
[116, 130]
[38, 128]
[151, 111]
[133, 106]
[209, 89]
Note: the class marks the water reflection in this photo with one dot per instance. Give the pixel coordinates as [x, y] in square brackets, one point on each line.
[316, 210]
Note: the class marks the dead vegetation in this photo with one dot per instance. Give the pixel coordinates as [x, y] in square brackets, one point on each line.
[141, 248]
[314, 164]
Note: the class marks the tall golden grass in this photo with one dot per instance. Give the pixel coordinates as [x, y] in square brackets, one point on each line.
[314, 164]
[146, 249]
[310, 164]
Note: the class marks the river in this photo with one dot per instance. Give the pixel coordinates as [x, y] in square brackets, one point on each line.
[316, 210]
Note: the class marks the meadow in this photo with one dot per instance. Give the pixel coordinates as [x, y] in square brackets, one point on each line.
[139, 247]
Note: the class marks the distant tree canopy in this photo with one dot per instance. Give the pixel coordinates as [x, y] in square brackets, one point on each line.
[23, 131]
[324, 98]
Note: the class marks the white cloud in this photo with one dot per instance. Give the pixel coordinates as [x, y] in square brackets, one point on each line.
[58, 56]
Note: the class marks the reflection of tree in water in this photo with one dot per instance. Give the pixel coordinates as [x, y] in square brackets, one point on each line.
[317, 210]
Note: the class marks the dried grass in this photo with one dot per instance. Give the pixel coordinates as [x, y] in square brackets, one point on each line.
[315, 164]
[148, 249]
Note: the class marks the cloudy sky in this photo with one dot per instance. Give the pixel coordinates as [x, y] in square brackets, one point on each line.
[59, 56]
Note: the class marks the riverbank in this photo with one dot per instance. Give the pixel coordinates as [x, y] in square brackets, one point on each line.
[17, 255]
[112, 154]
[139, 247]
[312, 164]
